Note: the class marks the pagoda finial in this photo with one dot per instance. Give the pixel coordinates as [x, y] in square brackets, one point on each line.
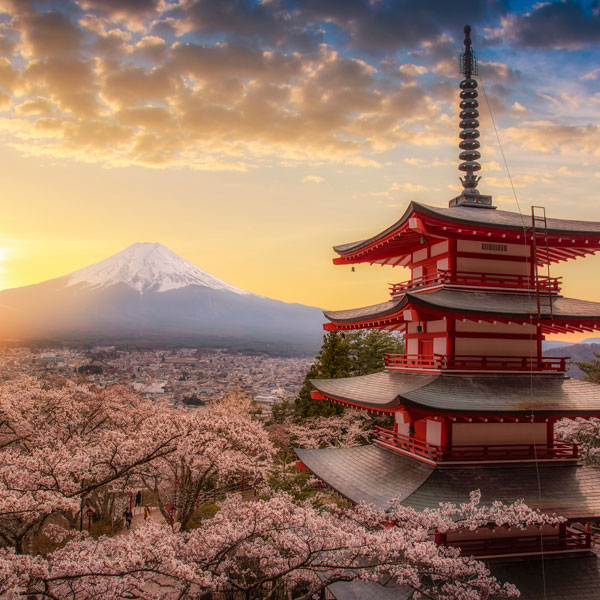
[470, 132]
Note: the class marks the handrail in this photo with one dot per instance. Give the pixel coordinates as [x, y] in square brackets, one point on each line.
[571, 540]
[443, 362]
[550, 285]
[558, 449]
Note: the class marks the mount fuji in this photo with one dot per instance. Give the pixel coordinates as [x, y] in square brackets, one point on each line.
[147, 292]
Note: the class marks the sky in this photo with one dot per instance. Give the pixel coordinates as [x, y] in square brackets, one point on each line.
[249, 137]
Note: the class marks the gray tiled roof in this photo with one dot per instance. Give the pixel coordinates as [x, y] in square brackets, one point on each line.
[560, 578]
[369, 590]
[366, 473]
[500, 219]
[476, 303]
[576, 578]
[512, 394]
[373, 475]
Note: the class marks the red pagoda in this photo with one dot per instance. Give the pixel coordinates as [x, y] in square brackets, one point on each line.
[474, 400]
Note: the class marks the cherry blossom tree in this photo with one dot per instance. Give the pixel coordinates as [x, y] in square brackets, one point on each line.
[60, 442]
[352, 428]
[585, 432]
[218, 444]
[256, 547]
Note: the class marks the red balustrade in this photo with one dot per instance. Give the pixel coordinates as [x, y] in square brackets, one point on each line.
[444, 362]
[557, 450]
[571, 540]
[549, 285]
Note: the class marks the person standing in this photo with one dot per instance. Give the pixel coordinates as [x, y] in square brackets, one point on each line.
[147, 513]
[128, 515]
[138, 499]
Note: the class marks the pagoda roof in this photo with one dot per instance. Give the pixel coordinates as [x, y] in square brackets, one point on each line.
[540, 578]
[488, 305]
[400, 237]
[558, 578]
[463, 394]
[376, 476]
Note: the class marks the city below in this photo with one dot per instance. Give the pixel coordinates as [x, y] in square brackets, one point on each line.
[186, 377]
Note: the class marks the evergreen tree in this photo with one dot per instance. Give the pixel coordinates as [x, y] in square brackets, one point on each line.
[332, 361]
[367, 348]
[344, 355]
[591, 369]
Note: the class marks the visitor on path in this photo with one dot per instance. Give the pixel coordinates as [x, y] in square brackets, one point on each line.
[138, 498]
[147, 513]
[128, 518]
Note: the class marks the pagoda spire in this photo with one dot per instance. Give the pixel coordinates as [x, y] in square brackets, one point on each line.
[469, 125]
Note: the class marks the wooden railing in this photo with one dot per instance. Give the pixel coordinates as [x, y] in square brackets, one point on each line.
[444, 362]
[549, 285]
[557, 450]
[571, 540]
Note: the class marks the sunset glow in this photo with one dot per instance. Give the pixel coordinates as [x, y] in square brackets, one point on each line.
[250, 137]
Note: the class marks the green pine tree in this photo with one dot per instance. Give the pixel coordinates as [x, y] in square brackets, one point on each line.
[332, 361]
[344, 355]
[591, 369]
[367, 348]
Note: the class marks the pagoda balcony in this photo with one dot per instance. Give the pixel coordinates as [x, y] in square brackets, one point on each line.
[558, 450]
[438, 363]
[489, 281]
[570, 541]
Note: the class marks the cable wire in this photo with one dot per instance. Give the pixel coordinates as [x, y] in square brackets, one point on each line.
[529, 262]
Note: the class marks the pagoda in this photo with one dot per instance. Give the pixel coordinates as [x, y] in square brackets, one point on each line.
[473, 399]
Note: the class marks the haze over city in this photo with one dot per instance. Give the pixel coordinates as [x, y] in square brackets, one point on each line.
[251, 137]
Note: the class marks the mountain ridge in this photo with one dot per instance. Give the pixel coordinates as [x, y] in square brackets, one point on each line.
[148, 290]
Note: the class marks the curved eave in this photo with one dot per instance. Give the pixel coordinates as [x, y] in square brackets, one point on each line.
[464, 395]
[392, 244]
[583, 315]
[376, 476]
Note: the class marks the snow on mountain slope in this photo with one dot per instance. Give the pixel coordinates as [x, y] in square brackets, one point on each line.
[147, 267]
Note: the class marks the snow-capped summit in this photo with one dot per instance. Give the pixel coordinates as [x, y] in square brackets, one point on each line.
[146, 292]
[147, 267]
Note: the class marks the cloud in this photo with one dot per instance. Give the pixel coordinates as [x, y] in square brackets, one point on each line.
[238, 83]
[49, 34]
[555, 24]
[313, 179]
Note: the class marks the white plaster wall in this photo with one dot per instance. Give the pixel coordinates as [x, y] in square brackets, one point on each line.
[494, 327]
[433, 434]
[476, 246]
[439, 248]
[412, 346]
[439, 345]
[411, 327]
[483, 265]
[495, 347]
[443, 264]
[498, 433]
[403, 428]
[436, 326]
[419, 255]
[417, 272]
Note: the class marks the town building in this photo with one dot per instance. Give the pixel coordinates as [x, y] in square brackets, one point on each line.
[473, 399]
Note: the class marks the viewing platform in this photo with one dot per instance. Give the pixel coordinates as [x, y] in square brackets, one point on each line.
[487, 281]
[438, 363]
[475, 454]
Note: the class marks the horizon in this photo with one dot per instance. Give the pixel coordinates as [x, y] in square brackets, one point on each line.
[249, 140]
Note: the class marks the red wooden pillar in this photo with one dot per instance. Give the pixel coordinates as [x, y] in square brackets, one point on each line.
[562, 533]
[439, 538]
[550, 433]
[446, 436]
